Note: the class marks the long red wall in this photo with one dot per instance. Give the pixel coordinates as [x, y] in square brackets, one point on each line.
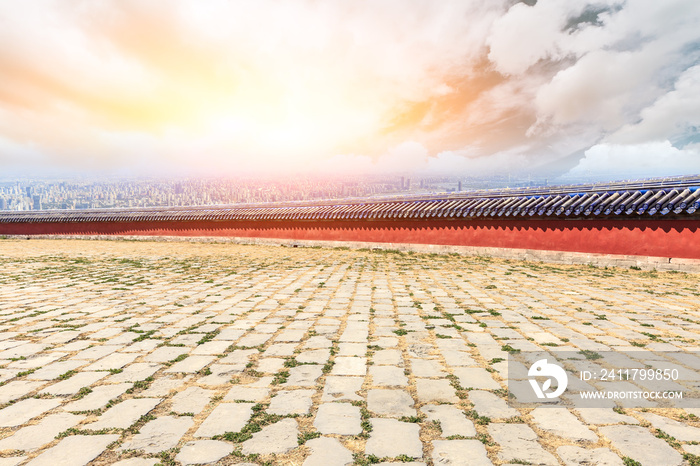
[648, 237]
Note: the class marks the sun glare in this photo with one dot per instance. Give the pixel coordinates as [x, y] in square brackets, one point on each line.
[295, 121]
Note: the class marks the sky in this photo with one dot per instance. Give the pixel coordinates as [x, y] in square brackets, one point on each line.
[609, 89]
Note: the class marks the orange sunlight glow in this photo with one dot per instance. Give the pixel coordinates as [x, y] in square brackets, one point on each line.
[303, 118]
[227, 86]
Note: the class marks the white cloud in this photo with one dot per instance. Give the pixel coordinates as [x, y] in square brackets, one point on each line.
[624, 65]
[654, 159]
[14, 154]
[671, 115]
[347, 164]
[412, 158]
[598, 89]
[527, 34]
[408, 157]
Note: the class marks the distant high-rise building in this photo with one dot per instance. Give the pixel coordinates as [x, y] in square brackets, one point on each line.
[403, 186]
[3, 203]
[408, 183]
[459, 186]
[29, 191]
[37, 202]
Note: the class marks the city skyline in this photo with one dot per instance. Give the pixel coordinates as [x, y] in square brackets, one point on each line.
[114, 192]
[606, 89]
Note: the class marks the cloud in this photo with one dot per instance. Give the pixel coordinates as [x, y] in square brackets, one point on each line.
[653, 159]
[598, 90]
[527, 34]
[278, 86]
[12, 153]
[409, 158]
[619, 66]
[674, 114]
[412, 158]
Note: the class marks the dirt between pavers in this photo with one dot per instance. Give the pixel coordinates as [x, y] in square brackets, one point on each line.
[140, 282]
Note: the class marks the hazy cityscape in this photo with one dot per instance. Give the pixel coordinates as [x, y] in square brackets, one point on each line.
[78, 193]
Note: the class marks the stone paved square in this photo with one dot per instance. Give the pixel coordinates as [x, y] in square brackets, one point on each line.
[147, 352]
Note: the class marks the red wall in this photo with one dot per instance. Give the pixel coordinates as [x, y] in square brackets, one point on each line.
[648, 237]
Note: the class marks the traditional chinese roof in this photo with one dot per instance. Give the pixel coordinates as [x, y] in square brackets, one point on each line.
[667, 197]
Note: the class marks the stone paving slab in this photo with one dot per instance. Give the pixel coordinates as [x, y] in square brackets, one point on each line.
[159, 435]
[350, 365]
[35, 436]
[12, 460]
[99, 397]
[452, 420]
[641, 445]
[124, 414]
[243, 393]
[280, 437]
[74, 383]
[22, 411]
[460, 453]
[76, 450]
[342, 388]
[304, 375]
[518, 443]
[137, 462]
[673, 428]
[203, 452]
[490, 405]
[327, 451]
[226, 417]
[390, 437]
[113, 361]
[17, 389]
[428, 390]
[395, 403]
[574, 456]
[196, 353]
[388, 376]
[287, 402]
[338, 418]
[191, 400]
[191, 365]
[560, 422]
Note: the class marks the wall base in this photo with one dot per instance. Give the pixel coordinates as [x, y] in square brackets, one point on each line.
[554, 257]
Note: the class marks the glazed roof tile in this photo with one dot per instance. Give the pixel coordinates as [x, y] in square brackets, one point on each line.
[678, 197]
